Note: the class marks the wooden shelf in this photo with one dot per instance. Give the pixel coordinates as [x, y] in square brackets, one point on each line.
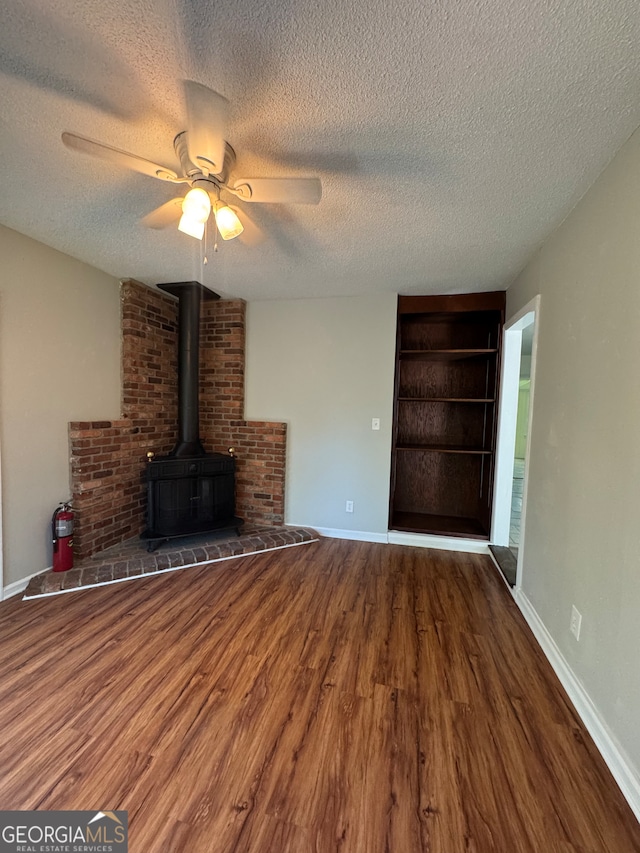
[445, 413]
[446, 399]
[444, 354]
[445, 448]
[438, 525]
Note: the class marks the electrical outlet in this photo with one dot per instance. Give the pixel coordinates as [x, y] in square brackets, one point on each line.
[349, 507]
[375, 423]
[576, 622]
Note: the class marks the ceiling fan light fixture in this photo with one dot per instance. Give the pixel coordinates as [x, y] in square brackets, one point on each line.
[196, 208]
[229, 226]
[207, 165]
[193, 229]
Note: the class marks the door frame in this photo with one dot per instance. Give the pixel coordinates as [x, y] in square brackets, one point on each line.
[506, 442]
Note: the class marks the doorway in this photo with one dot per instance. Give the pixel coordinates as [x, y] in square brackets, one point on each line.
[518, 372]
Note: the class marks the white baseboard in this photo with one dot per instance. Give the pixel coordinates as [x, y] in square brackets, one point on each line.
[394, 537]
[17, 587]
[356, 535]
[622, 769]
[443, 543]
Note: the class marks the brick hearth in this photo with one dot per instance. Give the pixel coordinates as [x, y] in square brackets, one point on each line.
[128, 560]
[108, 457]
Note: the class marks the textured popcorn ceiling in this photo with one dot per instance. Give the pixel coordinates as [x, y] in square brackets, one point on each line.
[451, 136]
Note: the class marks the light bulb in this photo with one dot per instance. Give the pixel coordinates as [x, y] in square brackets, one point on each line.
[196, 208]
[193, 229]
[228, 223]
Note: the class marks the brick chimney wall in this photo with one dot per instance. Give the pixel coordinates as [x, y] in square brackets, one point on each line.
[260, 446]
[108, 457]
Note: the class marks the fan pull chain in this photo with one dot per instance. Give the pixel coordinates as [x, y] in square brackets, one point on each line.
[203, 249]
[204, 244]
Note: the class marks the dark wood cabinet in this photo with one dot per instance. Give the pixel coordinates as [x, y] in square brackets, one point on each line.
[445, 413]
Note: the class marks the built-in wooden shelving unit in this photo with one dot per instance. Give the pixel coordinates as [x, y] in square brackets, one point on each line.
[446, 394]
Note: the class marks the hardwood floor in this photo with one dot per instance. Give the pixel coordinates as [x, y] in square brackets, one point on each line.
[343, 697]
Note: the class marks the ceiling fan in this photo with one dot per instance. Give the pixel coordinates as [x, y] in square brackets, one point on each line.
[206, 162]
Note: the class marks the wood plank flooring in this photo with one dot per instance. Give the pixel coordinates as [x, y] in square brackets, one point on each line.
[343, 697]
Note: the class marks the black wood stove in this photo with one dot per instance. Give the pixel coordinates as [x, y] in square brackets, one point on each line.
[189, 491]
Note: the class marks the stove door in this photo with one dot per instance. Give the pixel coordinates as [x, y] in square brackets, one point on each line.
[191, 504]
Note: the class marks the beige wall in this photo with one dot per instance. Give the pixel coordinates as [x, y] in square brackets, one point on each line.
[59, 361]
[582, 542]
[325, 366]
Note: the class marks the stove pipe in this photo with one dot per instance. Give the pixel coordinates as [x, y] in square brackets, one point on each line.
[190, 294]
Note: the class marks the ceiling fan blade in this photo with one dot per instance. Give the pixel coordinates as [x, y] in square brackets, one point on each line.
[278, 190]
[252, 235]
[164, 215]
[118, 157]
[207, 120]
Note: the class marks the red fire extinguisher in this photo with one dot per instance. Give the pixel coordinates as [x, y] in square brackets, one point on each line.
[62, 532]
